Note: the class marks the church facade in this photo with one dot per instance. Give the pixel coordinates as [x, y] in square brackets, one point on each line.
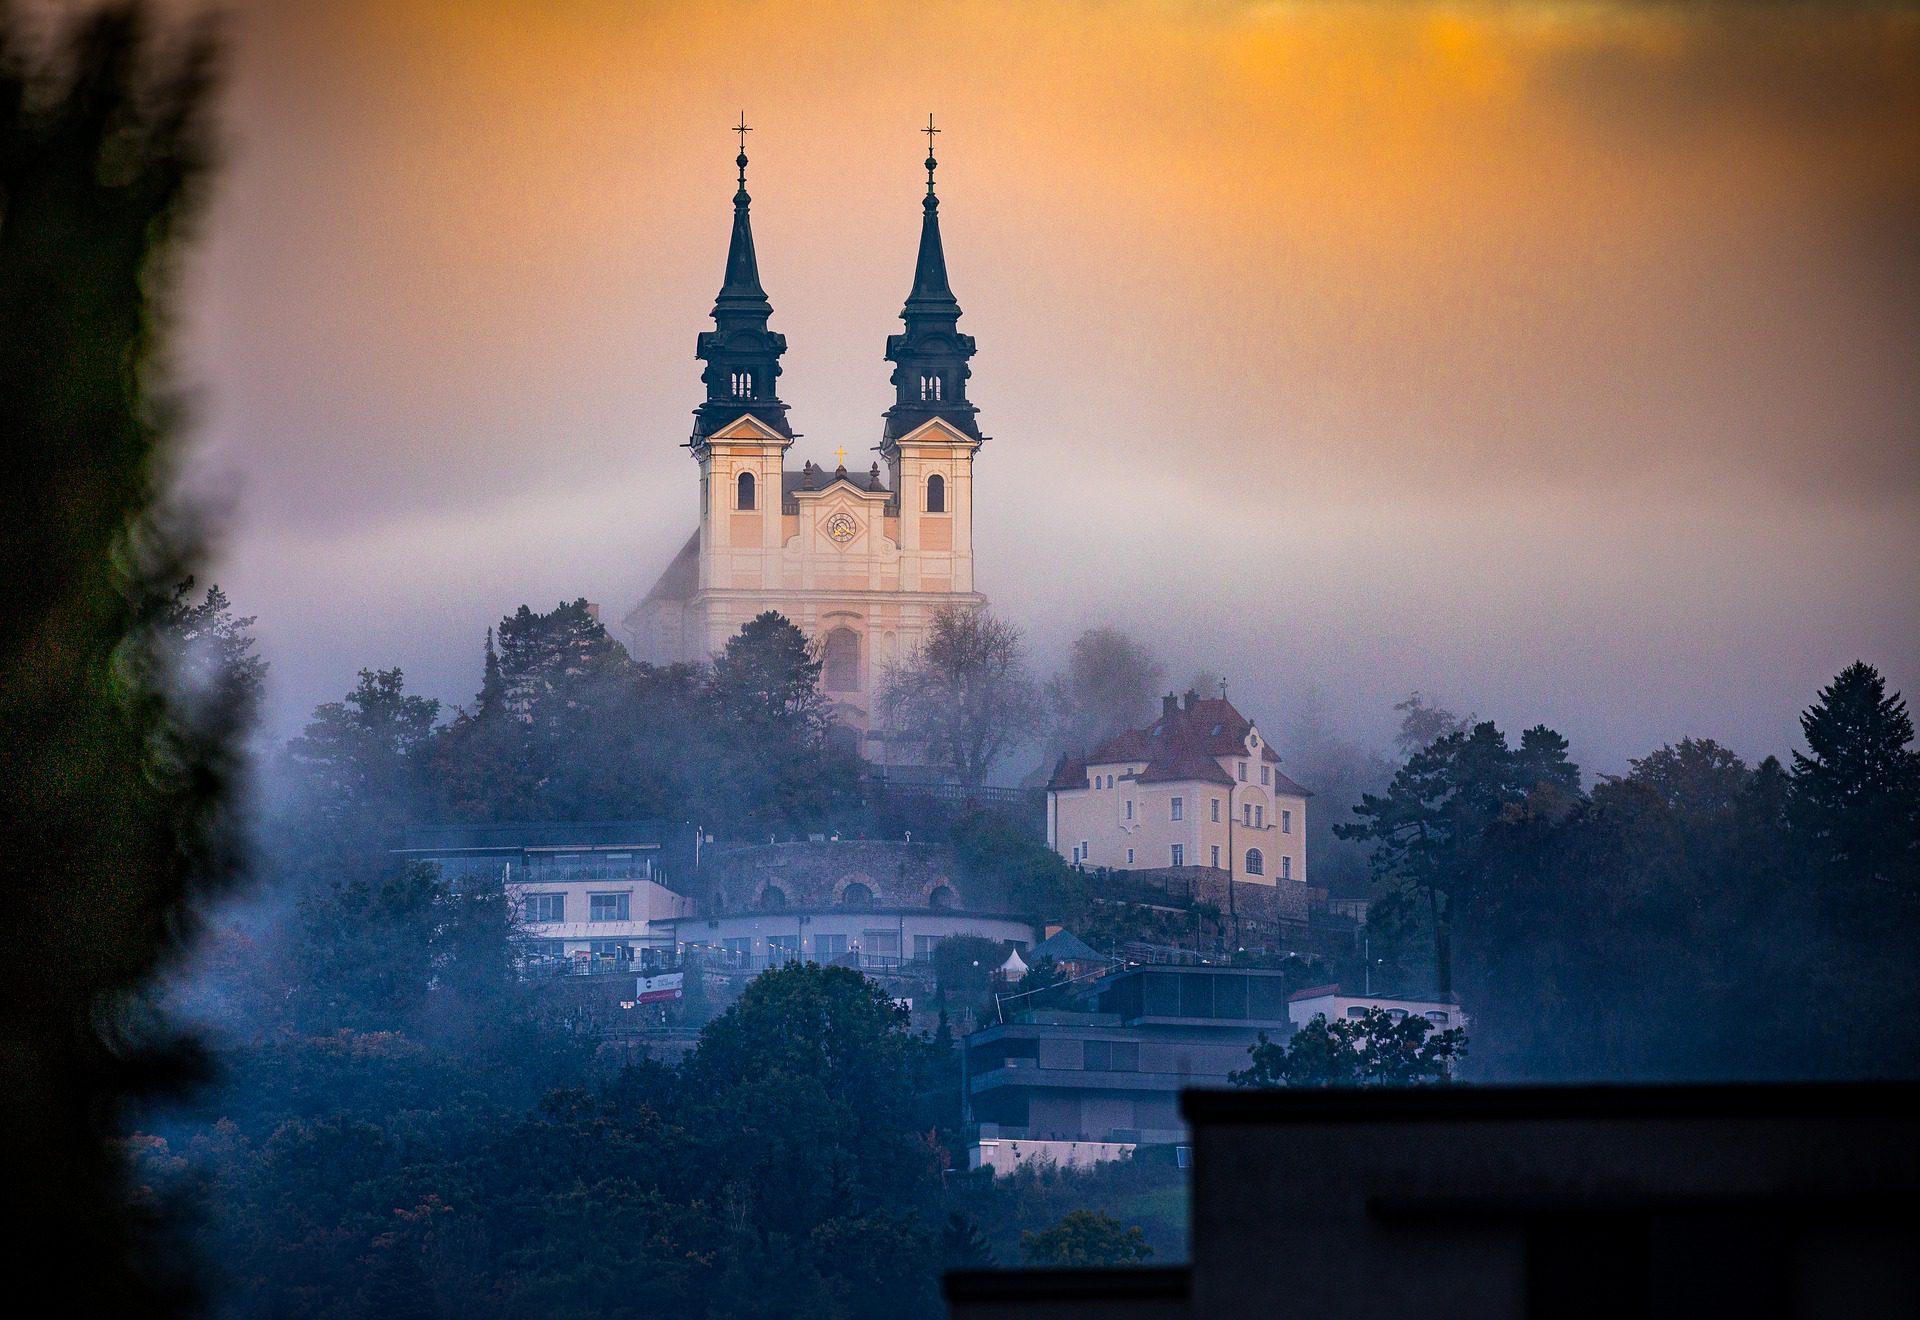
[860, 561]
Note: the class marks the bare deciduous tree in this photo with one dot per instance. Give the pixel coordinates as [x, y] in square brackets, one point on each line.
[964, 694]
[1108, 686]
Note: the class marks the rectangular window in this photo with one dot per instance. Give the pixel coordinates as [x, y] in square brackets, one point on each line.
[1098, 1055]
[880, 943]
[1243, 772]
[1129, 808]
[1286, 868]
[1179, 854]
[1260, 818]
[1246, 813]
[1126, 1056]
[1129, 857]
[1266, 775]
[828, 947]
[543, 907]
[783, 948]
[609, 907]
[612, 951]
[923, 947]
[1179, 808]
[1216, 811]
[1215, 860]
[1086, 850]
[1286, 822]
[738, 950]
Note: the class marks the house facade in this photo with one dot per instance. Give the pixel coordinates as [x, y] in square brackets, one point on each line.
[1200, 786]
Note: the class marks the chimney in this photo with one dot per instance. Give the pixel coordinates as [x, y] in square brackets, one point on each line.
[1051, 931]
[1192, 697]
[1169, 704]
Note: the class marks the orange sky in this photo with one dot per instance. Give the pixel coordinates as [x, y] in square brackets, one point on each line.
[1563, 359]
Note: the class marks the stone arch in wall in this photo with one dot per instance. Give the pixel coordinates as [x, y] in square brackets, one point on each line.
[855, 891]
[941, 896]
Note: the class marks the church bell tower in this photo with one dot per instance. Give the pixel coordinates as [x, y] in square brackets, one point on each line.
[931, 434]
[740, 433]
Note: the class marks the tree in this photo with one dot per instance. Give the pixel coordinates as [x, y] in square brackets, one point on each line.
[964, 695]
[1856, 791]
[117, 795]
[1422, 723]
[209, 653]
[1696, 777]
[1373, 1050]
[1424, 832]
[542, 654]
[775, 769]
[962, 1245]
[1085, 1238]
[359, 766]
[1108, 686]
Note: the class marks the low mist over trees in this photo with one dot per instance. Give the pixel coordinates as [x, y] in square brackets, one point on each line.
[1695, 918]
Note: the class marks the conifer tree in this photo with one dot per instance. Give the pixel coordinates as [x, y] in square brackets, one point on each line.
[1856, 790]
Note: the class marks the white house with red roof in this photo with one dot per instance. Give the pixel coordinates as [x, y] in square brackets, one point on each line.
[1199, 787]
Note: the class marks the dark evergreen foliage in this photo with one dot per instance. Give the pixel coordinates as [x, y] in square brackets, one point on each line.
[122, 758]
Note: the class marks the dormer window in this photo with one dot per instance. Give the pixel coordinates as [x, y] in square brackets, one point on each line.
[741, 384]
[929, 387]
[743, 491]
[936, 494]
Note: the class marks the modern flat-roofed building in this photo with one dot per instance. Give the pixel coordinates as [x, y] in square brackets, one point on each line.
[588, 894]
[1076, 1087]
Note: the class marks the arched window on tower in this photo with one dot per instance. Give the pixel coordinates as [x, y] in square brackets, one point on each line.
[742, 384]
[841, 661]
[929, 387]
[744, 491]
[1256, 864]
[936, 494]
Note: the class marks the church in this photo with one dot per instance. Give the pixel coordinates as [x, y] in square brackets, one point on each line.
[860, 561]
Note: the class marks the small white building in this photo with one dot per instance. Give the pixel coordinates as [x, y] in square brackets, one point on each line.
[1328, 1001]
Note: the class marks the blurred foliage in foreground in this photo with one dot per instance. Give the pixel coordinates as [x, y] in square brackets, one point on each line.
[114, 804]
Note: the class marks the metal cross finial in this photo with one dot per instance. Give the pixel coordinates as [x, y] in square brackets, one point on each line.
[841, 454]
[742, 129]
[929, 130]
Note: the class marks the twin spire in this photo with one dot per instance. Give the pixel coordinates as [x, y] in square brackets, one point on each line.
[743, 355]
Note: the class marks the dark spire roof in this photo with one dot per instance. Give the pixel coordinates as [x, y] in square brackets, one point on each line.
[932, 297]
[741, 297]
[930, 359]
[742, 354]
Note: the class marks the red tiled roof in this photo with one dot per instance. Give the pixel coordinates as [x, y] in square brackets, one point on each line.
[1183, 745]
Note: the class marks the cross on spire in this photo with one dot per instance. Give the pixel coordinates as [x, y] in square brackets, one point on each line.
[841, 455]
[742, 129]
[930, 130]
